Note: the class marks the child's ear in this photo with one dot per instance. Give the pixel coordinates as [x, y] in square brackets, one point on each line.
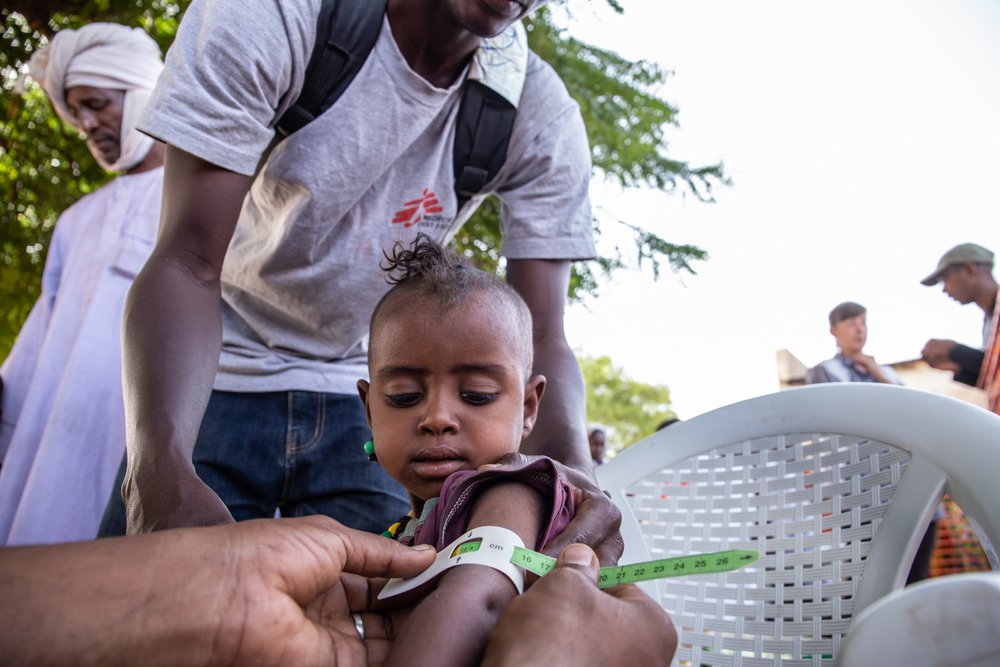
[532, 397]
[363, 388]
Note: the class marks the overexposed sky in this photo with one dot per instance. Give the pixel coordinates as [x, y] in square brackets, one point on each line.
[863, 140]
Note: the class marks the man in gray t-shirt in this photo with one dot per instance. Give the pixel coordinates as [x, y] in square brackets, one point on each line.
[243, 342]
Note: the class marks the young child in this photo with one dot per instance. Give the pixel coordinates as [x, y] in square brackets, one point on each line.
[451, 389]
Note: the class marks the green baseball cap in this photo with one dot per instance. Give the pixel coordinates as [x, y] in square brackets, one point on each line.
[960, 254]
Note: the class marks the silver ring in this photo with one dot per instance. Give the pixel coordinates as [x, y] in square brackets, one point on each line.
[359, 624]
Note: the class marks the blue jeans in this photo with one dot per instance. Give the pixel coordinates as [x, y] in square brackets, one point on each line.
[295, 451]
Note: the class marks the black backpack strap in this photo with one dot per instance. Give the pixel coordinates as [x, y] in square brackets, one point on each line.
[346, 33]
[482, 132]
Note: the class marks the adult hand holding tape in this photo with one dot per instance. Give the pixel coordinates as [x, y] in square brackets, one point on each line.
[565, 619]
[502, 550]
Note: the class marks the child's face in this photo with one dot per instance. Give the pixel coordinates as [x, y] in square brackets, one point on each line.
[447, 392]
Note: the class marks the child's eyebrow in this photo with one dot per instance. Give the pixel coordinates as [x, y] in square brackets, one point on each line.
[389, 372]
[494, 370]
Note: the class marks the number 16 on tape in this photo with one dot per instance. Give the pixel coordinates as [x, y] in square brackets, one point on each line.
[718, 561]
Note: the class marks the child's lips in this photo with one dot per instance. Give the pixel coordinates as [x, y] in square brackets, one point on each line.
[438, 462]
[438, 468]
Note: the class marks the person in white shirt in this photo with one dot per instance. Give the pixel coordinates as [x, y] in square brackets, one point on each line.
[849, 327]
[63, 428]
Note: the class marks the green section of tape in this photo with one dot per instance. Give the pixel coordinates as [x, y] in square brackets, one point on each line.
[532, 561]
[717, 561]
[467, 548]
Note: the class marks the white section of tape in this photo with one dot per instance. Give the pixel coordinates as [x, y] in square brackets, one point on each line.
[495, 549]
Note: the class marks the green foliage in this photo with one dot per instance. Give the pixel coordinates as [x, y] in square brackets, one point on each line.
[626, 123]
[44, 167]
[630, 408]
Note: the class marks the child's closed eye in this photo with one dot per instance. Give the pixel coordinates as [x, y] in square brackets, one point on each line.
[404, 400]
[477, 397]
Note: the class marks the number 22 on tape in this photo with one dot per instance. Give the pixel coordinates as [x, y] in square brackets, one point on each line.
[718, 561]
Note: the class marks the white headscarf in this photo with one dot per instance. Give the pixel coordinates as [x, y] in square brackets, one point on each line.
[102, 55]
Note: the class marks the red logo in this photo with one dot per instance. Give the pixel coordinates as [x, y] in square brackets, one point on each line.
[414, 210]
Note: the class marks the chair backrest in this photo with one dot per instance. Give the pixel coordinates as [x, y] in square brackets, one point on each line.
[833, 485]
[950, 620]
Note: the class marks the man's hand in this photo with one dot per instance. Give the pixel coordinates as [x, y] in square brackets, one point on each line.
[180, 501]
[283, 595]
[268, 592]
[620, 626]
[937, 354]
[597, 520]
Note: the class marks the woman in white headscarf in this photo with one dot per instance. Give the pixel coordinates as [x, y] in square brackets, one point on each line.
[62, 433]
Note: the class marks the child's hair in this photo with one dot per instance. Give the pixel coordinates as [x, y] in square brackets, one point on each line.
[845, 311]
[426, 269]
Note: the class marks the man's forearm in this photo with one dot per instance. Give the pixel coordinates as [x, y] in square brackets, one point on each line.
[970, 361]
[172, 336]
[560, 431]
[88, 603]
[171, 340]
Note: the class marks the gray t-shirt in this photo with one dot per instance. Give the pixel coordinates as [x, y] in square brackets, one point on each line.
[302, 275]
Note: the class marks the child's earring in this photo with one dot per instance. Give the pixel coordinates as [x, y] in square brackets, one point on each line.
[370, 450]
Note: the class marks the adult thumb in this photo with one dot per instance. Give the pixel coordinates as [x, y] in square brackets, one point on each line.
[582, 558]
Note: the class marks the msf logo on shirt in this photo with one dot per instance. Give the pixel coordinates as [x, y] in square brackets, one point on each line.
[426, 208]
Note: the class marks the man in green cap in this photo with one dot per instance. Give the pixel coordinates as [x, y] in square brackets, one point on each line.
[966, 272]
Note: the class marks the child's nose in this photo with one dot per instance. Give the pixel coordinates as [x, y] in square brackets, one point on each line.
[439, 416]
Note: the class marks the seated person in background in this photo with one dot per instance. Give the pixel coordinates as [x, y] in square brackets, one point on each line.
[451, 390]
[850, 329]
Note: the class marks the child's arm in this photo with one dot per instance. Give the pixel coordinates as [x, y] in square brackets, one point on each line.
[453, 623]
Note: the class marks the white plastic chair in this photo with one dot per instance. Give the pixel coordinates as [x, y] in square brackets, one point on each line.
[833, 485]
[952, 620]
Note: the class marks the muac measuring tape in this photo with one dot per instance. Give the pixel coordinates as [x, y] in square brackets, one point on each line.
[503, 550]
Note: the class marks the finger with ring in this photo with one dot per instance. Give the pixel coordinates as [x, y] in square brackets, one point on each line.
[359, 624]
